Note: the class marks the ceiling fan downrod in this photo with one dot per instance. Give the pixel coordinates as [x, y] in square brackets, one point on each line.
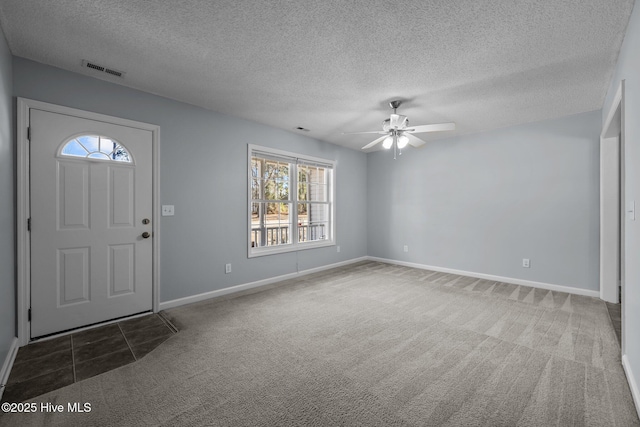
[397, 151]
[395, 104]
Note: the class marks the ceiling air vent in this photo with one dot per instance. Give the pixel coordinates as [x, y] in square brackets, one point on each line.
[102, 69]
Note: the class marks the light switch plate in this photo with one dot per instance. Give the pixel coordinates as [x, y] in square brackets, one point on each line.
[167, 210]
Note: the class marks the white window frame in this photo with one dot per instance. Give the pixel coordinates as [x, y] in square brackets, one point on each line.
[295, 245]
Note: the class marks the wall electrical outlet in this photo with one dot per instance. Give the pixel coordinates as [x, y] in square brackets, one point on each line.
[167, 210]
[406, 248]
[526, 263]
[227, 268]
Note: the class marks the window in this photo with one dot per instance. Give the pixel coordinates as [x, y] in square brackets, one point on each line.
[95, 147]
[290, 201]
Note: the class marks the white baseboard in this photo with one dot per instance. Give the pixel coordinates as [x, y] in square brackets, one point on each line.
[7, 365]
[238, 288]
[633, 385]
[541, 285]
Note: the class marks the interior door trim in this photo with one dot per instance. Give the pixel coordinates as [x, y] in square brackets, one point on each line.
[23, 208]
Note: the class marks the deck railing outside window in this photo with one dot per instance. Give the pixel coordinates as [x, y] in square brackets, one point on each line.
[280, 234]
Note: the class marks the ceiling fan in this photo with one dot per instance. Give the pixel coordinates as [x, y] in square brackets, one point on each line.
[397, 133]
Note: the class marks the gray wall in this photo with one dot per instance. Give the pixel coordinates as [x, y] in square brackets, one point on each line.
[204, 174]
[481, 203]
[628, 68]
[7, 265]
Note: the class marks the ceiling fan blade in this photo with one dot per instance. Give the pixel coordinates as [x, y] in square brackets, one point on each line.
[438, 127]
[414, 141]
[372, 143]
[380, 132]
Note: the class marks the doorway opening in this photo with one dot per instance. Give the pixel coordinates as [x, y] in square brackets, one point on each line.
[613, 207]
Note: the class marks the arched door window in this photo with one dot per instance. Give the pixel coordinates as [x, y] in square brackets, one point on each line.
[96, 147]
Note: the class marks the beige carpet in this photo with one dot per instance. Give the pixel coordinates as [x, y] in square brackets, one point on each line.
[369, 345]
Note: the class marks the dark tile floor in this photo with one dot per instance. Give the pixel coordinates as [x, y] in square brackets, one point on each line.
[615, 314]
[48, 365]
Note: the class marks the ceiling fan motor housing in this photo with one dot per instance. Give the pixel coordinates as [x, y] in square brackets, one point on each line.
[396, 121]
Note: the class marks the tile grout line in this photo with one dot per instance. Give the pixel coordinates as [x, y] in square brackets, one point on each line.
[127, 341]
[73, 360]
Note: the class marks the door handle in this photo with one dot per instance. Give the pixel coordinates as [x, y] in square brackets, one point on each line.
[146, 235]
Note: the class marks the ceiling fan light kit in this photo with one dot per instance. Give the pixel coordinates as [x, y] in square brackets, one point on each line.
[398, 134]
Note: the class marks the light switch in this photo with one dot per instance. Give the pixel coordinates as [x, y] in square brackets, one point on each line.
[167, 210]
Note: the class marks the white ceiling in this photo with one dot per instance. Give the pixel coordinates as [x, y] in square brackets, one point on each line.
[332, 66]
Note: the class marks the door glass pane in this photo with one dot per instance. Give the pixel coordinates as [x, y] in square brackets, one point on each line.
[96, 147]
[119, 154]
[90, 142]
[107, 145]
[74, 148]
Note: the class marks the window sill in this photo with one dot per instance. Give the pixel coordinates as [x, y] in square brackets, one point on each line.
[273, 250]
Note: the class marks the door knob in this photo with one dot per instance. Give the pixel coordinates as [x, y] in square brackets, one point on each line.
[146, 235]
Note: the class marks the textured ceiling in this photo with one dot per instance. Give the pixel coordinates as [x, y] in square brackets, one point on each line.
[332, 66]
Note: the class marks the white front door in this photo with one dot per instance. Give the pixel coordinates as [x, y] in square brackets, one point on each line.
[91, 212]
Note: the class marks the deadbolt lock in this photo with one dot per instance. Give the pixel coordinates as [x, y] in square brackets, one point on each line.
[146, 221]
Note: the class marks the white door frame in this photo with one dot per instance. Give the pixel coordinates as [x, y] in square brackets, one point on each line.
[23, 208]
[611, 142]
[612, 203]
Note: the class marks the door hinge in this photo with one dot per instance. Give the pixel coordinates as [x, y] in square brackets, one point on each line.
[29, 133]
[28, 224]
[29, 315]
